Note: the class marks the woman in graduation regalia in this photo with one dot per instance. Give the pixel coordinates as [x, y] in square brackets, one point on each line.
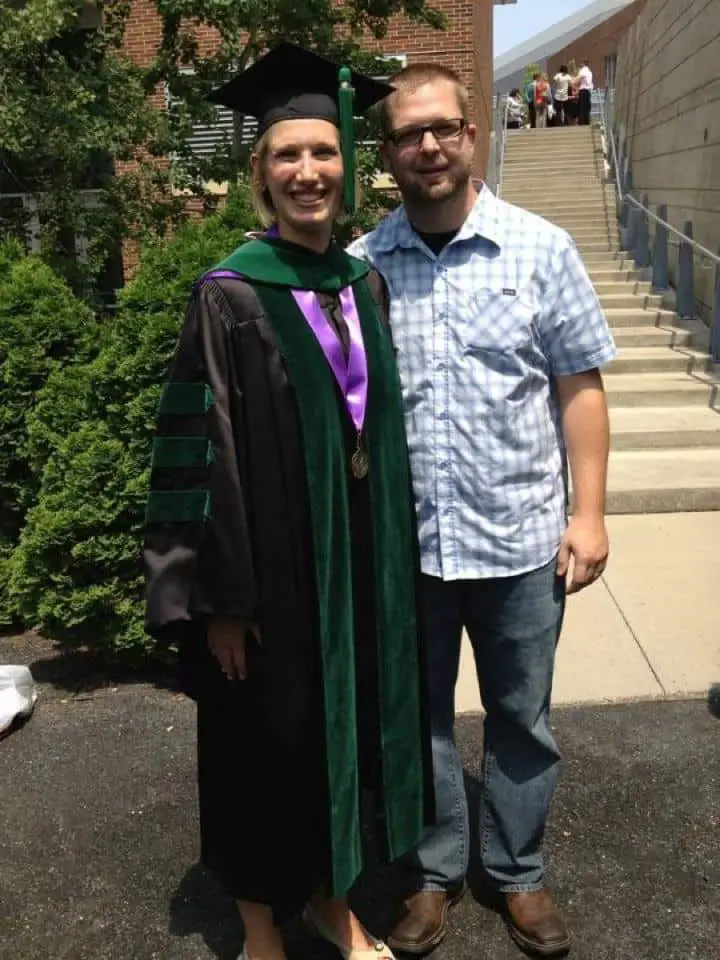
[280, 547]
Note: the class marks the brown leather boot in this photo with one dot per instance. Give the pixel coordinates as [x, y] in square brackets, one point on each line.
[536, 924]
[423, 923]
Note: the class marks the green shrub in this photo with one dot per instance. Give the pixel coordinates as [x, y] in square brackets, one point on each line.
[44, 330]
[77, 573]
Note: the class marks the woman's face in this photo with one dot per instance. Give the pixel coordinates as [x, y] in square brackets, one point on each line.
[303, 172]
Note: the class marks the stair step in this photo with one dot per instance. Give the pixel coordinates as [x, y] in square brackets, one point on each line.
[660, 390]
[641, 288]
[651, 336]
[664, 481]
[580, 182]
[642, 428]
[659, 360]
[599, 274]
[611, 262]
[598, 246]
[620, 318]
[520, 195]
[597, 216]
[589, 234]
[542, 170]
[582, 213]
[650, 303]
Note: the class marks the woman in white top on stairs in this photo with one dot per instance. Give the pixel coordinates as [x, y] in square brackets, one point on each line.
[562, 81]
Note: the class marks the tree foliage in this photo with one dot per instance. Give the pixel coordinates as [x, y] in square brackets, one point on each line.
[74, 108]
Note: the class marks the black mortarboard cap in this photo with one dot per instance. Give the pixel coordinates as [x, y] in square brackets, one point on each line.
[291, 83]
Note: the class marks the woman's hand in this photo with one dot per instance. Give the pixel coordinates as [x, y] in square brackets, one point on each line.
[227, 638]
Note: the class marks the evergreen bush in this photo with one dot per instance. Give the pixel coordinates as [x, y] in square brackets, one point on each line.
[77, 572]
[44, 330]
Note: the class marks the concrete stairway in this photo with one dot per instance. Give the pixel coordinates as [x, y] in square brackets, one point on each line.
[664, 399]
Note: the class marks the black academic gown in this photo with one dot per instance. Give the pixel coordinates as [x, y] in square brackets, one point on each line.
[262, 762]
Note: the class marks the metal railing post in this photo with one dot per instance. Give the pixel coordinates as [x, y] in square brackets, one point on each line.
[626, 189]
[642, 238]
[715, 319]
[661, 273]
[686, 275]
[631, 234]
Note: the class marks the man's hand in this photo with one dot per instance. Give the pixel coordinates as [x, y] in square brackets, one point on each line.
[586, 541]
[227, 638]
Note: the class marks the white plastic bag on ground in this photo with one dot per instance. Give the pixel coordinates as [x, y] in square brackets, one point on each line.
[17, 695]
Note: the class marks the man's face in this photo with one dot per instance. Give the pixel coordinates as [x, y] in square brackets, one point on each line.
[429, 165]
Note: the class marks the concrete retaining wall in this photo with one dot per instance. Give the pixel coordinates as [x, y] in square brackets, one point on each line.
[668, 104]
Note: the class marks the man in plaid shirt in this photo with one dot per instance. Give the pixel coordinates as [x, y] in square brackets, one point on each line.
[499, 337]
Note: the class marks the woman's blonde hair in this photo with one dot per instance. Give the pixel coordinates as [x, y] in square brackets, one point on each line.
[259, 193]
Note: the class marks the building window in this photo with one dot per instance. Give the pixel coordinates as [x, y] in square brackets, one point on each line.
[206, 139]
[365, 136]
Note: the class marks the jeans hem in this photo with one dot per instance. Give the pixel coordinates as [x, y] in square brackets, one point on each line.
[439, 887]
[521, 887]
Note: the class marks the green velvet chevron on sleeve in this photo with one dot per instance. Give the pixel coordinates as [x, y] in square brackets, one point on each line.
[185, 399]
[178, 506]
[180, 462]
[182, 452]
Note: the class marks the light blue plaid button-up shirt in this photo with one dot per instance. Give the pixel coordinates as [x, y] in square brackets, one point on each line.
[481, 331]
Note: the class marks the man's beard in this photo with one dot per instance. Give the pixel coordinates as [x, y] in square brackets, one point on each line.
[413, 189]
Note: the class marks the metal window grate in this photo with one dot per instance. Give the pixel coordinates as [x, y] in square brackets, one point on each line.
[205, 138]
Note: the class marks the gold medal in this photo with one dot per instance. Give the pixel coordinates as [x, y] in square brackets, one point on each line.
[360, 462]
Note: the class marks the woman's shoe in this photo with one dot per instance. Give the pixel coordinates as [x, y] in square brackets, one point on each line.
[380, 950]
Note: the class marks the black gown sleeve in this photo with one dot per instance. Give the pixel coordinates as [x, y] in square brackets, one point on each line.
[198, 555]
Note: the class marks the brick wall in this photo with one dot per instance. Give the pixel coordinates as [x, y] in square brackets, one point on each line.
[603, 41]
[466, 46]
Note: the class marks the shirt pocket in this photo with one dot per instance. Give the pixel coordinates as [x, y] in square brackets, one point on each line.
[498, 325]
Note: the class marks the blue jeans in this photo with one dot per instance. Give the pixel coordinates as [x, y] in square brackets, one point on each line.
[514, 625]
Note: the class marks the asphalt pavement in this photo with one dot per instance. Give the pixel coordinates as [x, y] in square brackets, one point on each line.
[98, 842]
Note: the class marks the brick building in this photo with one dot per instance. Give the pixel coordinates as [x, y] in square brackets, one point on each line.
[466, 46]
[593, 33]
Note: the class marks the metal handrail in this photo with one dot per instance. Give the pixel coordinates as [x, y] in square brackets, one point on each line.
[610, 134]
[503, 146]
[622, 197]
[703, 251]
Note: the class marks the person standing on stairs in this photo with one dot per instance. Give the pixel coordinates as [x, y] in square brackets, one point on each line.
[562, 81]
[500, 338]
[530, 99]
[543, 99]
[585, 87]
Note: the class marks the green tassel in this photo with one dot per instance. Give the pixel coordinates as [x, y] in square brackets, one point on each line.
[347, 137]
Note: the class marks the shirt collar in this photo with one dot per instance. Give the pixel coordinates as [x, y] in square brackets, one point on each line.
[482, 221]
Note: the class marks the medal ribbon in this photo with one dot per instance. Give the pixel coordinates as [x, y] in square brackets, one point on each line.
[352, 377]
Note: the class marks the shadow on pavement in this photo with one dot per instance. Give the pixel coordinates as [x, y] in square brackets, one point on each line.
[200, 906]
[99, 846]
[81, 671]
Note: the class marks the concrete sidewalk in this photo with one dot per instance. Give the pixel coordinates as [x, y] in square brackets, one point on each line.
[650, 628]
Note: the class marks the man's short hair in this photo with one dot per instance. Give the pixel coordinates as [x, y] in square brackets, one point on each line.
[417, 75]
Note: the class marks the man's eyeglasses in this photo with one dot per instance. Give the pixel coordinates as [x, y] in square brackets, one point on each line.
[442, 130]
